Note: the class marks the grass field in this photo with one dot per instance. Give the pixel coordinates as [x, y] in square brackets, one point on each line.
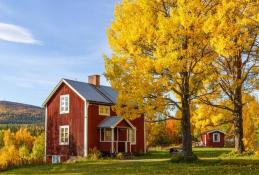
[155, 162]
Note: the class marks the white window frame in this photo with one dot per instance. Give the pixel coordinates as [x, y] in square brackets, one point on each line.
[55, 159]
[60, 135]
[104, 113]
[213, 135]
[104, 138]
[130, 136]
[63, 97]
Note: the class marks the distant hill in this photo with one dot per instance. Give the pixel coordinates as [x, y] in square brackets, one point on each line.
[19, 113]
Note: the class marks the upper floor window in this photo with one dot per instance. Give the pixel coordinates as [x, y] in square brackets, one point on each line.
[104, 110]
[216, 137]
[64, 104]
[64, 135]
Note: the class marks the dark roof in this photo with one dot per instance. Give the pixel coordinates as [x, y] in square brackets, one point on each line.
[92, 93]
[108, 92]
[110, 122]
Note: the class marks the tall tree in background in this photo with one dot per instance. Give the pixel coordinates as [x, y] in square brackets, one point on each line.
[159, 58]
[233, 28]
[209, 117]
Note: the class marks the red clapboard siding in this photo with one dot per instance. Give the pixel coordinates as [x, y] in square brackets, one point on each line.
[140, 145]
[93, 121]
[75, 120]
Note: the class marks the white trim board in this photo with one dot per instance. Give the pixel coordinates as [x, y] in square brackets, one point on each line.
[46, 125]
[214, 131]
[113, 126]
[86, 128]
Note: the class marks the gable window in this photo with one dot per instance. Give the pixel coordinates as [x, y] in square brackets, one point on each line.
[132, 136]
[64, 104]
[104, 110]
[216, 137]
[64, 135]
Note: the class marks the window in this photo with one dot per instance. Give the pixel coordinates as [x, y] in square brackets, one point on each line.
[64, 104]
[216, 137]
[132, 136]
[107, 135]
[55, 159]
[64, 135]
[104, 110]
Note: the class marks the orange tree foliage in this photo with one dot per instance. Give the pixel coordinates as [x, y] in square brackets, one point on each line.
[163, 133]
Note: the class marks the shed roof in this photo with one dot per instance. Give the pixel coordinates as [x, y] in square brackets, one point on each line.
[214, 130]
[112, 122]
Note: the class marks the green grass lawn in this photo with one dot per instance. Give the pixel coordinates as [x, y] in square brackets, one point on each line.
[155, 162]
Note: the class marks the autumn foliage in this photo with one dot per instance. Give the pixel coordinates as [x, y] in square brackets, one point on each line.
[175, 54]
[19, 148]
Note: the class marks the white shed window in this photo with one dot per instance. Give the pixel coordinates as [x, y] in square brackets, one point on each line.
[216, 137]
[132, 136]
[64, 135]
[64, 104]
[104, 110]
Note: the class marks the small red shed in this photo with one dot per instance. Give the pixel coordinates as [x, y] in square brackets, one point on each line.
[213, 138]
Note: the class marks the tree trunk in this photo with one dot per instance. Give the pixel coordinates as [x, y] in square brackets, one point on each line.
[238, 107]
[185, 121]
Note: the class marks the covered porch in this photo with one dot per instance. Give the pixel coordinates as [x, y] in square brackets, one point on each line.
[116, 134]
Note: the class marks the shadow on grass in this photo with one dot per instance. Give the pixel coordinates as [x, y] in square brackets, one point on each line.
[210, 152]
[154, 155]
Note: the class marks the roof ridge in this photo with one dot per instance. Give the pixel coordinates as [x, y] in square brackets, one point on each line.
[84, 82]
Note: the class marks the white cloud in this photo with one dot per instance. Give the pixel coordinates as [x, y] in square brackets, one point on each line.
[14, 33]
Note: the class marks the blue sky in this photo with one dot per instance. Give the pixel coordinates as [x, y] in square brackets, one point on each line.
[43, 41]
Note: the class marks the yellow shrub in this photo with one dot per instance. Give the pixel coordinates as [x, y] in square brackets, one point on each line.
[9, 156]
[24, 137]
[20, 148]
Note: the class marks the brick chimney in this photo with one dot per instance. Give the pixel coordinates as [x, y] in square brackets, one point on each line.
[94, 80]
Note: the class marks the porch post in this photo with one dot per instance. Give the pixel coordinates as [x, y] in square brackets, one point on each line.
[205, 139]
[126, 143]
[112, 140]
[100, 134]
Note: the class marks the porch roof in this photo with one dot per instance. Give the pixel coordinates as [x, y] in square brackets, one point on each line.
[112, 122]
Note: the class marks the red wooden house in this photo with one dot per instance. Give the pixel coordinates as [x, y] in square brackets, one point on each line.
[79, 117]
[213, 138]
